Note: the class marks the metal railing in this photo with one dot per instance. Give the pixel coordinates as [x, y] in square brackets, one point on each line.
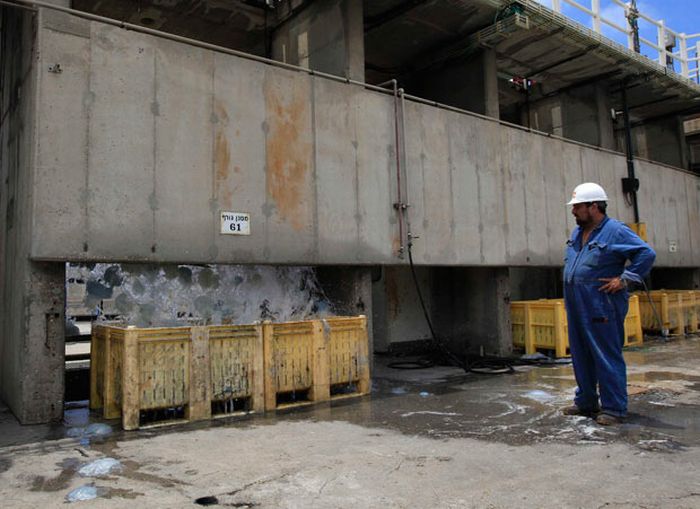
[677, 51]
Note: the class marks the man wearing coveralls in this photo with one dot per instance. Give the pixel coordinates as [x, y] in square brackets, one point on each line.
[596, 298]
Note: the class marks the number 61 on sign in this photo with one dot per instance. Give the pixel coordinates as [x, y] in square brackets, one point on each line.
[235, 223]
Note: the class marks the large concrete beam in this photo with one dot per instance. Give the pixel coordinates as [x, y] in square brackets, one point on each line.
[156, 156]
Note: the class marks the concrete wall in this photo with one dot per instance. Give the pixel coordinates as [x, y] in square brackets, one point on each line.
[139, 165]
[31, 307]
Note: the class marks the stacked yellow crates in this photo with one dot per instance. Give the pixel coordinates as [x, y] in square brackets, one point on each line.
[195, 373]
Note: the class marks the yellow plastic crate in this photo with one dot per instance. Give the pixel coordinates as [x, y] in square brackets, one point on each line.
[135, 370]
[677, 309]
[348, 355]
[218, 370]
[542, 324]
[305, 361]
[236, 368]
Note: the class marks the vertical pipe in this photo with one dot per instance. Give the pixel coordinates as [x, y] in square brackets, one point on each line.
[628, 149]
[406, 204]
[399, 205]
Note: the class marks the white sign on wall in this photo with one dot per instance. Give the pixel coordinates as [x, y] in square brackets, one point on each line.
[235, 223]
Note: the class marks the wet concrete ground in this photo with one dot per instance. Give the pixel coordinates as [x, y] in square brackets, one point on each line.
[435, 437]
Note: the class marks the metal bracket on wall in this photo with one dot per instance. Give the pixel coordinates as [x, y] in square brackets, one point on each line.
[56, 68]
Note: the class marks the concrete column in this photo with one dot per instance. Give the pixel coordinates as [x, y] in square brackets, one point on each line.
[469, 309]
[490, 70]
[353, 18]
[398, 316]
[32, 294]
[606, 131]
[325, 36]
[472, 309]
[468, 84]
[668, 145]
[580, 114]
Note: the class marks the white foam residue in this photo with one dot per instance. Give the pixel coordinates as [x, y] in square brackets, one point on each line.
[428, 412]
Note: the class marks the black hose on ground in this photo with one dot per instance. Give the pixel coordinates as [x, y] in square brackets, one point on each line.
[485, 365]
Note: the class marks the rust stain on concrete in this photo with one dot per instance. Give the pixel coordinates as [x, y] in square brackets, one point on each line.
[288, 151]
[222, 160]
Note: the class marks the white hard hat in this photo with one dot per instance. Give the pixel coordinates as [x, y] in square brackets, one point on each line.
[588, 192]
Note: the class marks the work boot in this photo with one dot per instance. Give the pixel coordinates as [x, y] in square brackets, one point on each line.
[574, 410]
[608, 419]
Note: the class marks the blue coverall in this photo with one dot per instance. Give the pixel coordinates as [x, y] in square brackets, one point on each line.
[597, 319]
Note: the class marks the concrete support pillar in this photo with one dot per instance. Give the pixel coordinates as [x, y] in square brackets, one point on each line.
[490, 70]
[605, 128]
[472, 309]
[43, 344]
[581, 114]
[32, 295]
[324, 36]
[665, 141]
[471, 85]
[398, 317]
[469, 309]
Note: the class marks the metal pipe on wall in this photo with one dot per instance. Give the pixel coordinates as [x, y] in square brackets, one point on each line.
[399, 157]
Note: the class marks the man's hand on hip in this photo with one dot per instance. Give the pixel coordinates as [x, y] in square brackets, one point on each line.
[612, 284]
